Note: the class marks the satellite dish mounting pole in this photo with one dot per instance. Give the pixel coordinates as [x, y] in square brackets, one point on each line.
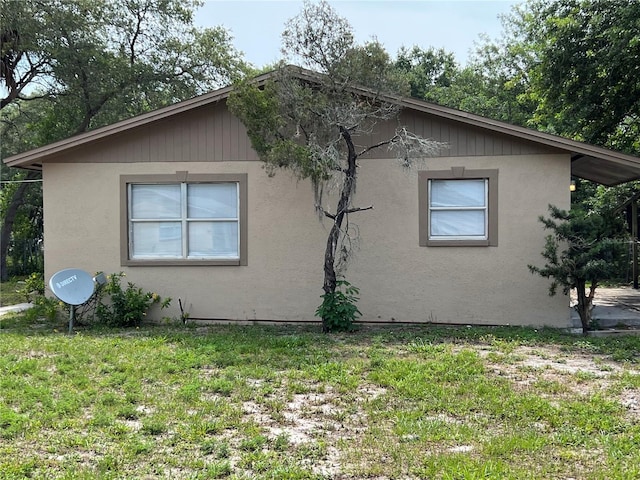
[72, 313]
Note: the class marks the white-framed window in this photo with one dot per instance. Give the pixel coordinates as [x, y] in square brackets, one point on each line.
[184, 222]
[458, 207]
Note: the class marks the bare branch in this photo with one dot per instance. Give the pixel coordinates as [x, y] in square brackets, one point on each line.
[408, 146]
[377, 145]
[322, 211]
[361, 209]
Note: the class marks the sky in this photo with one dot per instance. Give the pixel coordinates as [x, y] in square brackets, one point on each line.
[454, 25]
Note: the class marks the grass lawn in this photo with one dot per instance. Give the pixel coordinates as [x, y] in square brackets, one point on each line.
[11, 292]
[291, 403]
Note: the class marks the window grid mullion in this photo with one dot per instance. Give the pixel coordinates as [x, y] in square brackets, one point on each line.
[212, 219]
[458, 208]
[486, 207]
[183, 220]
[130, 226]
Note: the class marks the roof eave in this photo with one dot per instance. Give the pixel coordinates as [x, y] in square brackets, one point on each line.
[627, 167]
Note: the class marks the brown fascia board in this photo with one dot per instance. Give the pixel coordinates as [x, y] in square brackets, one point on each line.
[32, 159]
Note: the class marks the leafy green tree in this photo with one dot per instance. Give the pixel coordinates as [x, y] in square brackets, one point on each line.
[580, 252]
[21, 194]
[95, 63]
[315, 123]
[584, 77]
[427, 71]
[501, 67]
[568, 67]
[490, 85]
[586, 67]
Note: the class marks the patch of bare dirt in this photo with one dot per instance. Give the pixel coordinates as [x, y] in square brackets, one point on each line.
[573, 374]
[306, 418]
[556, 360]
[318, 420]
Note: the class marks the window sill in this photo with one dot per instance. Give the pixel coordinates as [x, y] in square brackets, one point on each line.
[180, 262]
[458, 243]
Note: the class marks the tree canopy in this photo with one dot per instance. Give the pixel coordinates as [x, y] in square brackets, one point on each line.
[569, 67]
[73, 65]
[104, 61]
[587, 68]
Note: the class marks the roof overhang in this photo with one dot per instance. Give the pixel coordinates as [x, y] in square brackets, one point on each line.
[589, 162]
[605, 171]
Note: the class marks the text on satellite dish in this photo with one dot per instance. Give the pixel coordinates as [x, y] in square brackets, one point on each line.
[66, 281]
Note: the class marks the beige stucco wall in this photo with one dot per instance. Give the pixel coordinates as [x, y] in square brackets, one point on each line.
[475, 285]
[398, 279]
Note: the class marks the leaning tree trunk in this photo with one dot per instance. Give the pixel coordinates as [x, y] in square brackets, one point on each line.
[348, 185]
[17, 200]
[584, 306]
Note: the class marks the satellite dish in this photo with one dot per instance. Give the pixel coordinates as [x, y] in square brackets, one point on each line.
[72, 286]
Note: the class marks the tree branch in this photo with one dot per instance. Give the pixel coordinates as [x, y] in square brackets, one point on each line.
[15, 87]
[378, 145]
[358, 209]
[324, 212]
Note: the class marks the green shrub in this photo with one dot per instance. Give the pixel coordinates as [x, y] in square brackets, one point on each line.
[338, 309]
[126, 307]
[44, 307]
[33, 286]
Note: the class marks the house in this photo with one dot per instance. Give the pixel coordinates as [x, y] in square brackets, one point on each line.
[449, 242]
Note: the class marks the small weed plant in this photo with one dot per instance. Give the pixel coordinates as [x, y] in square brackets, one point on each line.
[44, 307]
[338, 309]
[126, 306]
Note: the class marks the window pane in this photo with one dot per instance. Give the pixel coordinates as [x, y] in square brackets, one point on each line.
[155, 201]
[213, 239]
[212, 200]
[457, 223]
[457, 193]
[156, 239]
